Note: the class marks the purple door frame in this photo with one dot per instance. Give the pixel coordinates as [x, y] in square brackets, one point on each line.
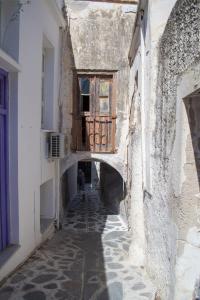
[4, 231]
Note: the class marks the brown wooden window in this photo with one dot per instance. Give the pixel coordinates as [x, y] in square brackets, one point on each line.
[94, 113]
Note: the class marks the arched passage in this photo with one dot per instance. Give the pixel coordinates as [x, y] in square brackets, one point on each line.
[114, 161]
[98, 176]
[98, 236]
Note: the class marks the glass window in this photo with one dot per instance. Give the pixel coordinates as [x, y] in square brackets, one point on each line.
[85, 102]
[104, 88]
[104, 104]
[85, 94]
[85, 86]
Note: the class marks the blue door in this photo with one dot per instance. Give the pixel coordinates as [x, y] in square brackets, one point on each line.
[4, 236]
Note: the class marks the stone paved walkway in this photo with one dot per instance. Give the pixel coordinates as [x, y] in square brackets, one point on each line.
[88, 259]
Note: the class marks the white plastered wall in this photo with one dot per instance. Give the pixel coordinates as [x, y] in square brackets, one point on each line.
[135, 176]
[36, 20]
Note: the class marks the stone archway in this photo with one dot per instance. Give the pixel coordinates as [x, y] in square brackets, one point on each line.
[114, 160]
[112, 186]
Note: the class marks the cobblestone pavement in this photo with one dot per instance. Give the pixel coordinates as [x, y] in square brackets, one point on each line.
[88, 259]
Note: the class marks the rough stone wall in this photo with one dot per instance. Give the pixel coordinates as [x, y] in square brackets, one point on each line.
[179, 51]
[193, 111]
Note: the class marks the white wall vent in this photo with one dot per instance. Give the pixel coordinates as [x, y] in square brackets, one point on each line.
[56, 145]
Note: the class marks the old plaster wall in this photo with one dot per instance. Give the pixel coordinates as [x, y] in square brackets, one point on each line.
[151, 229]
[186, 206]
[99, 38]
[135, 177]
[135, 172]
[171, 214]
[66, 83]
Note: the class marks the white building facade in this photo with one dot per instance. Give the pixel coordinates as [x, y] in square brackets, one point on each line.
[30, 78]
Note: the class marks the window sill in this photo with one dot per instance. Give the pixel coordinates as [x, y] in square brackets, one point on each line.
[6, 254]
[8, 63]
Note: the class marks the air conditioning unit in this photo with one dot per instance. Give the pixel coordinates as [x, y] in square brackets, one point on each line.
[57, 145]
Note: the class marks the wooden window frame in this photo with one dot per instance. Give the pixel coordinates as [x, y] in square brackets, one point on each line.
[77, 113]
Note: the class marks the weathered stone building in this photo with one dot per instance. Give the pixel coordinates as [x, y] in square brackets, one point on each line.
[165, 57]
[92, 39]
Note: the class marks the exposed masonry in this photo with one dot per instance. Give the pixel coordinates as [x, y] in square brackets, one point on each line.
[179, 51]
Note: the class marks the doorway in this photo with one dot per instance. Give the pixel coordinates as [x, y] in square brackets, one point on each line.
[85, 166]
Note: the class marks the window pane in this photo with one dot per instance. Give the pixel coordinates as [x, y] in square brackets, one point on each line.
[104, 104]
[85, 103]
[104, 88]
[85, 85]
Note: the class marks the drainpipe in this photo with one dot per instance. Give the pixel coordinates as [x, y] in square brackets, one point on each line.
[57, 193]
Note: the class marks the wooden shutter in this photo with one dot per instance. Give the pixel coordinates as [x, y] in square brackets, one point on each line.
[94, 130]
[103, 117]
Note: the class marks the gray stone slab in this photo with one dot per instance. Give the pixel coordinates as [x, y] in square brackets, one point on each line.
[51, 286]
[43, 278]
[36, 295]
[139, 286]
[6, 292]
[115, 266]
[114, 291]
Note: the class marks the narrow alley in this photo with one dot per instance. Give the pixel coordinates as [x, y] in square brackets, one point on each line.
[87, 259]
[99, 150]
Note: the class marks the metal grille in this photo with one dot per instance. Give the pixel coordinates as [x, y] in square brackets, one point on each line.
[57, 146]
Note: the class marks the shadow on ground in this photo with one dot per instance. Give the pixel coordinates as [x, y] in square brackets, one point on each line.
[87, 259]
